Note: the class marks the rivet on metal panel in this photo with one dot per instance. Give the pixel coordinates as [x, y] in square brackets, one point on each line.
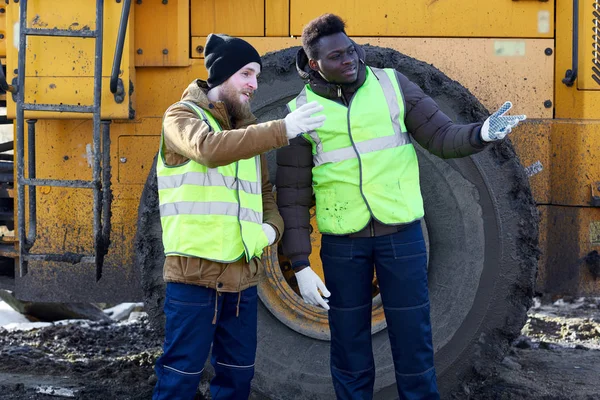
[165, 51]
[118, 1]
[548, 104]
[548, 51]
[165, 1]
[15, 71]
[199, 49]
[2, 10]
[1, 36]
[140, 51]
[139, 1]
[123, 160]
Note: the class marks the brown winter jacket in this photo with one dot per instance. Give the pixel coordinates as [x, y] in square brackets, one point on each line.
[188, 137]
[427, 124]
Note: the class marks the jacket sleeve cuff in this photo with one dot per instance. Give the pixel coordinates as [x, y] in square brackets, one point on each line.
[281, 135]
[479, 142]
[300, 263]
[277, 234]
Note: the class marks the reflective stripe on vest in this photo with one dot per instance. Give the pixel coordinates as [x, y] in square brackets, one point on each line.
[364, 162]
[211, 213]
[399, 138]
[209, 178]
[212, 208]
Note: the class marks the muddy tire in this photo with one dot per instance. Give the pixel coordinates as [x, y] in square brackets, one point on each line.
[149, 253]
[482, 227]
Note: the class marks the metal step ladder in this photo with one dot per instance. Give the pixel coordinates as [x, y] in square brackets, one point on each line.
[100, 183]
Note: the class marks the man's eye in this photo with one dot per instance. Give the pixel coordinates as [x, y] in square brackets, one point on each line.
[335, 56]
[245, 73]
[351, 51]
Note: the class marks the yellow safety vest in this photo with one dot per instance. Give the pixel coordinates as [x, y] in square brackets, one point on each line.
[211, 213]
[364, 162]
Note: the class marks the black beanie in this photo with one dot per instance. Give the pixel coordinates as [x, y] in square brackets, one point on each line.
[225, 55]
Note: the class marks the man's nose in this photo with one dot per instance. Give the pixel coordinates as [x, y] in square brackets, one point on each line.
[253, 83]
[348, 59]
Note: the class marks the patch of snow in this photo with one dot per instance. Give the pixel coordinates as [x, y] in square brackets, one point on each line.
[26, 326]
[54, 391]
[85, 323]
[137, 315]
[122, 311]
[10, 316]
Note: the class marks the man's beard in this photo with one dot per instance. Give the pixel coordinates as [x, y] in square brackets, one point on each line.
[237, 110]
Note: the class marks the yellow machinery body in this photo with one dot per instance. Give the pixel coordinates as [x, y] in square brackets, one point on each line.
[499, 50]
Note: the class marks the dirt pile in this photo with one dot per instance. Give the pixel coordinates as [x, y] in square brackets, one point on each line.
[556, 358]
[102, 360]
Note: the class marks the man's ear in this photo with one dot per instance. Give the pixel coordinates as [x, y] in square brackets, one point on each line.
[313, 65]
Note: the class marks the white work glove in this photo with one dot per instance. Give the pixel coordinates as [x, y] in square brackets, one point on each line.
[309, 283]
[497, 126]
[270, 232]
[301, 120]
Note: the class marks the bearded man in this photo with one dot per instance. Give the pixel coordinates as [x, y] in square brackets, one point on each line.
[217, 214]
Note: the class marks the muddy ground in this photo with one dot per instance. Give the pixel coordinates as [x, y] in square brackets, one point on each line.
[558, 357]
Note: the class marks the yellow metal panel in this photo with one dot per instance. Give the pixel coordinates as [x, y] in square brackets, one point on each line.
[575, 161]
[64, 151]
[531, 140]
[162, 33]
[2, 31]
[236, 18]
[277, 17]
[589, 45]
[134, 165]
[198, 43]
[568, 241]
[70, 59]
[525, 79]
[76, 91]
[570, 102]
[448, 18]
[158, 88]
[493, 70]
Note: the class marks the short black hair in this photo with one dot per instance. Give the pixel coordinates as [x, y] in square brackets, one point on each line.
[325, 25]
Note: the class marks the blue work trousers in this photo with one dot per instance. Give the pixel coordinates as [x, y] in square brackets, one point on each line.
[189, 332]
[400, 261]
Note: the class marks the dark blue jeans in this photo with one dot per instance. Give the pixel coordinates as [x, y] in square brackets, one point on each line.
[189, 332]
[400, 261]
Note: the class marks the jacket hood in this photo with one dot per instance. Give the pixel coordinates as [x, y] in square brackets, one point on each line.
[197, 93]
[327, 89]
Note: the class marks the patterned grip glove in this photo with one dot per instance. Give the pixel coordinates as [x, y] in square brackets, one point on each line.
[498, 125]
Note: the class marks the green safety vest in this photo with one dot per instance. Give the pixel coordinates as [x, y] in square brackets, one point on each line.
[211, 213]
[364, 162]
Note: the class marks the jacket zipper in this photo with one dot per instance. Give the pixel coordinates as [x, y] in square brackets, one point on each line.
[339, 93]
[359, 161]
[237, 192]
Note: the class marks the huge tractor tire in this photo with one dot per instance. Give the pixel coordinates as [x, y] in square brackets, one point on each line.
[481, 227]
